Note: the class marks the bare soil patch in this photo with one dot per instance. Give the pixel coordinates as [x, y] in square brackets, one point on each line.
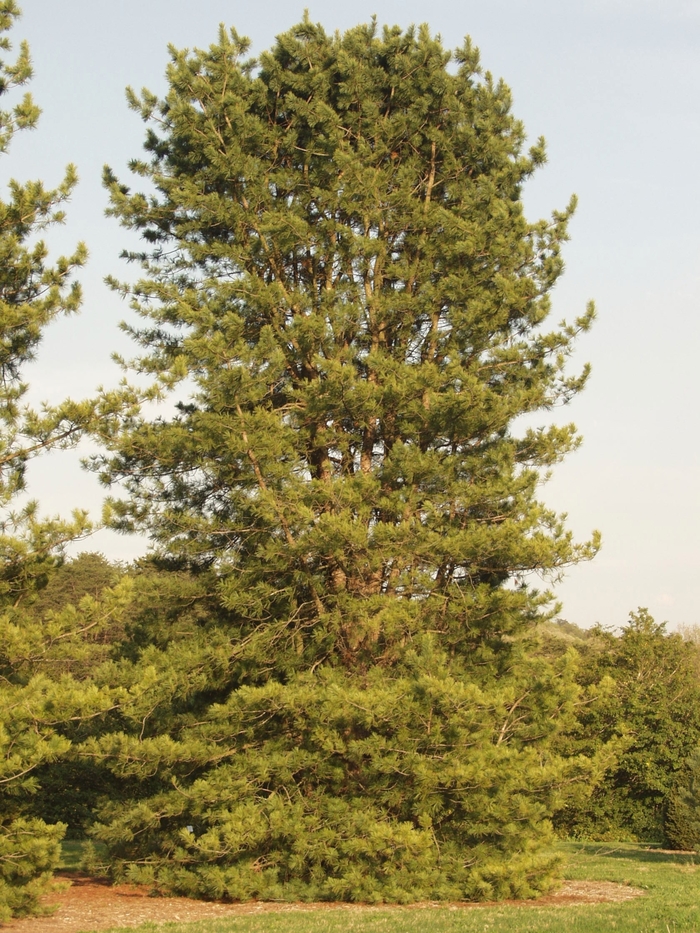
[89, 904]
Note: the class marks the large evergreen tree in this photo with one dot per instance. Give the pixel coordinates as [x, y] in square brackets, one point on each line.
[346, 304]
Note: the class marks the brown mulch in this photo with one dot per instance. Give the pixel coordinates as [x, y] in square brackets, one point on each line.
[91, 905]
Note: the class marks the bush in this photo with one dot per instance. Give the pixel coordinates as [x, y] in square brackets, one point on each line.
[682, 824]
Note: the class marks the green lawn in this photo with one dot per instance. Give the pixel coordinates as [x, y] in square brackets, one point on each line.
[670, 905]
[72, 854]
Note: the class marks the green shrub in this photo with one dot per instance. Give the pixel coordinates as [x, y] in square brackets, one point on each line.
[682, 824]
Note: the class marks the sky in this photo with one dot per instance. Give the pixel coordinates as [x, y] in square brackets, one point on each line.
[613, 86]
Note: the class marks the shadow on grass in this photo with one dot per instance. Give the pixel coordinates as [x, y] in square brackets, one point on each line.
[639, 852]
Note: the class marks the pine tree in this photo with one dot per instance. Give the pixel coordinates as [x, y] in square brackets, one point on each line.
[33, 701]
[343, 299]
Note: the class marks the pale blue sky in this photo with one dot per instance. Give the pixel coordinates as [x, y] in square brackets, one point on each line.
[614, 87]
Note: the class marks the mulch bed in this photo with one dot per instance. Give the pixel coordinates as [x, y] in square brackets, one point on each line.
[90, 904]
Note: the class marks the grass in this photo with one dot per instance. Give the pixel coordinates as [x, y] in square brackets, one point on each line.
[71, 855]
[670, 905]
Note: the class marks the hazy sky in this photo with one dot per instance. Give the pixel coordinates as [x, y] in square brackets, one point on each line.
[613, 85]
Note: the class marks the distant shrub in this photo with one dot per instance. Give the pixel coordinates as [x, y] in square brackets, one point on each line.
[682, 824]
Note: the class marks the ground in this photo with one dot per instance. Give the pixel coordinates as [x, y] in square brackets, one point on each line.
[88, 904]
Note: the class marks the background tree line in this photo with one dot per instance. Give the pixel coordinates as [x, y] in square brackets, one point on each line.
[333, 677]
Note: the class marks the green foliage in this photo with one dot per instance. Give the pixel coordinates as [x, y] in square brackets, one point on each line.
[35, 696]
[32, 293]
[88, 574]
[343, 300]
[682, 824]
[42, 696]
[332, 787]
[29, 852]
[71, 628]
[644, 696]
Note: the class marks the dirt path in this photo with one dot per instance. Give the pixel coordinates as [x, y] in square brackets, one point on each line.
[91, 905]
